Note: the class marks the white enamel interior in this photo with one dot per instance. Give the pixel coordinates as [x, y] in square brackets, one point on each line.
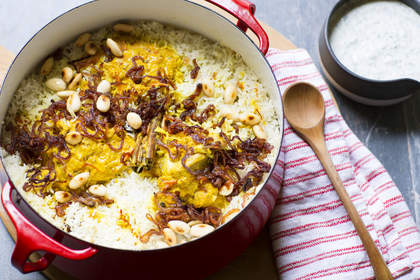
[96, 14]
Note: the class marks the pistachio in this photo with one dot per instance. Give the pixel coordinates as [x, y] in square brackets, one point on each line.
[62, 196]
[103, 103]
[73, 103]
[201, 230]
[82, 39]
[75, 81]
[67, 74]
[79, 180]
[47, 66]
[73, 138]
[227, 188]
[230, 94]
[123, 27]
[114, 47]
[98, 190]
[259, 131]
[250, 118]
[179, 227]
[90, 48]
[169, 236]
[56, 84]
[103, 87]
[134, 120]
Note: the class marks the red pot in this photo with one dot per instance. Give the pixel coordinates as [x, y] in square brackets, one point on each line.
[195, 259]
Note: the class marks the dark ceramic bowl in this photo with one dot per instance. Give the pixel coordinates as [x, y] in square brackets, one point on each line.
[354, 86]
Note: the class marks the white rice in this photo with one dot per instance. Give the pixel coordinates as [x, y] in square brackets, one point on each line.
[132, 193]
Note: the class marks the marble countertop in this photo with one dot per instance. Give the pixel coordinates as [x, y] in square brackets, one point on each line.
[391, 133]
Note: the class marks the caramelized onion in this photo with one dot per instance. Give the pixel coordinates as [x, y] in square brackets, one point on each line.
[196, 69]
[179, 211]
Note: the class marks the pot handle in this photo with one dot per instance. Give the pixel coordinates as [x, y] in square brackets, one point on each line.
[244, 11]
[30, 239]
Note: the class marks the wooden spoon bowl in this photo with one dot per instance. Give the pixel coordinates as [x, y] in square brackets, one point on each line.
[305, 111]
[303, 106]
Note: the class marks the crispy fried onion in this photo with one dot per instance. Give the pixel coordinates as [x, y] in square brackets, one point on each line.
[196, 69]
[39, 178]
[190, 107]
[224, 161]
[249, 151]
[168, 146]
[170, 207]
[32, 144]
[84, 62]
[92, 119]
[189, 103]
[84, 198]
[152, 105]
[135, 73]
[197, 133]
[163, 78]
[107, 52]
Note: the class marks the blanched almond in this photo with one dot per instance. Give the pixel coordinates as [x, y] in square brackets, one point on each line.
[98, 190]
[56, 84]
[179, 227]
[90, 48]
[193, 223]
[250, 118]
[230, 94]
[67, 74]
[73, 138]
[123, 27]
[103, 87]
[232, 116]
[114, 47]
[62, 196]
[227, 188]
[169, 236]
[47, 66]
[134, 120]
[73, 103]
[201, 230]
[259, 131]
[79, 180]
[65, 93]
[82, 39]
[103, 103]
[75, 81]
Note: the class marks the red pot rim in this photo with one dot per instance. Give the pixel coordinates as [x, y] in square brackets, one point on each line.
[197, 239]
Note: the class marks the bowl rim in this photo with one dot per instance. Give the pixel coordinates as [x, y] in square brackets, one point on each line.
[190, 242]
[326, 34]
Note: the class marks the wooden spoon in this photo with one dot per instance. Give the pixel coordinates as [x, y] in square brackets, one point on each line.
[304, 110]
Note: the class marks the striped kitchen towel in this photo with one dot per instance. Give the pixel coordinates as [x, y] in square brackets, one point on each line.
[313, 238]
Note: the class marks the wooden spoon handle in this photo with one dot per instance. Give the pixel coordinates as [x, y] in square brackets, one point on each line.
[379, 266]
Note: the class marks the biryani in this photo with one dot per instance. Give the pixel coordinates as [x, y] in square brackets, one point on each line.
[140, 136]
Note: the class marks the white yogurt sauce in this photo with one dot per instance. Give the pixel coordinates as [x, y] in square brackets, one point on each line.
[378, 40]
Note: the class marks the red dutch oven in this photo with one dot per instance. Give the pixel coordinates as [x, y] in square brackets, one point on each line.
[192, 260]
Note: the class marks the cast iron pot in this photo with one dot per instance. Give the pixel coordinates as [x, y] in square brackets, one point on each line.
[361, 89]
[195, 259]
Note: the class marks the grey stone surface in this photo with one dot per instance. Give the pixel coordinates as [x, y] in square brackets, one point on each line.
[392, 133]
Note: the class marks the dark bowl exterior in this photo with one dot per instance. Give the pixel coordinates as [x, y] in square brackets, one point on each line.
[361, 89]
